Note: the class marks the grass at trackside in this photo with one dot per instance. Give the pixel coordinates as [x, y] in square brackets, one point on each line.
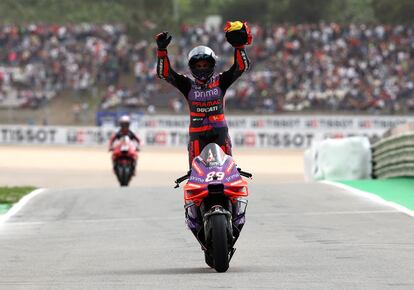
[397, 190]
[10, 195]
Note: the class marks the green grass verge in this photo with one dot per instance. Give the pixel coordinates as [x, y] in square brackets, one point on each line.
[10, 195]
[398, 190]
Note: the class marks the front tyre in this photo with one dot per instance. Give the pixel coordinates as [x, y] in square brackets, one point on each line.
[126, 176]
[219, 243]
[208, 259]
[123, 174]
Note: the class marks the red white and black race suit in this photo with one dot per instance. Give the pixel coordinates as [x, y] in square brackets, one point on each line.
[206, 101]
[118, 135]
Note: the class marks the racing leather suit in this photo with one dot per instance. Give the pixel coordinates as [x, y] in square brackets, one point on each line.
[118, 135]
[205, 101]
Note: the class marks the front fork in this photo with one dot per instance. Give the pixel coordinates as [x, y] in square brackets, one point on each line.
[200, 226]
[218, 210]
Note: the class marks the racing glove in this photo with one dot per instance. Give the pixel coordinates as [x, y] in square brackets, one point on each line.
[238, 34]
[163, 39]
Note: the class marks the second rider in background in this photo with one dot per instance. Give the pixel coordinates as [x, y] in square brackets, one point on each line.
[205, 94]
[124, 123]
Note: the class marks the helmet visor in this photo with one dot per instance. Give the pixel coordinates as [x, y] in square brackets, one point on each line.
[124, 125]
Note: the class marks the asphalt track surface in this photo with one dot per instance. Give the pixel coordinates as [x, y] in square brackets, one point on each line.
[297, 236]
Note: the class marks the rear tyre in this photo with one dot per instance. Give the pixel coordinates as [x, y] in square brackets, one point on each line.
[219, 242]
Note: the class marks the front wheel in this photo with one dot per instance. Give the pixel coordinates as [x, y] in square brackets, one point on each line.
[123, 174]
[208, 259]
[219, 242]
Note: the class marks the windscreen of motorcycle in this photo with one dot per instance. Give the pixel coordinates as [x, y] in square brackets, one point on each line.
[213, 155]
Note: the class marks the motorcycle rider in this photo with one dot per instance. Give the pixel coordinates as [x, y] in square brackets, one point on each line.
[205, 94]
[124, 123]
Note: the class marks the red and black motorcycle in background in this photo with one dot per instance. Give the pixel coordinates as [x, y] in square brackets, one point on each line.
[215, 204]
[124, 160]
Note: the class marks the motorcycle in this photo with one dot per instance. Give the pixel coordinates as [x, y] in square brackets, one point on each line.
[124, 159]
[215, 204]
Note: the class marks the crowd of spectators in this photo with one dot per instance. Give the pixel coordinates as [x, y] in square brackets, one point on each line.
[37, 61]
[306, 67]
[324, 67]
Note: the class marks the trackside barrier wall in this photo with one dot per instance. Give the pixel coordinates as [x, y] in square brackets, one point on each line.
[339, 159]
[394, 156]
[287, 132]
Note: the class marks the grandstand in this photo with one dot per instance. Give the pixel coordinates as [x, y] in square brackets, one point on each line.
[66, 72]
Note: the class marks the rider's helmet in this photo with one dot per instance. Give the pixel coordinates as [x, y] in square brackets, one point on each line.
[199, 53]
[124, 122]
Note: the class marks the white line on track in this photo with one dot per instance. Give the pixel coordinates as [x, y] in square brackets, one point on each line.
[372, 197]
[18, 206]
[310, 213]
[97, 221]
[254, 215]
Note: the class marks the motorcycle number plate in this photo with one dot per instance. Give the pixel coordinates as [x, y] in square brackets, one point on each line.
[124, 148]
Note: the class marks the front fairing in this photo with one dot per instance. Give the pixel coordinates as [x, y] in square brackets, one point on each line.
[125, 147]
[204, 175]
[211, 167]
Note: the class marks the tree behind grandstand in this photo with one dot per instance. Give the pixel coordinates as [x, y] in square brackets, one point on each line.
[142, 16]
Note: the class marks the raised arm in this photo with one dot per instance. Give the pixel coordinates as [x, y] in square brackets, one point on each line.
[240, 65]
[238, 35]
[164, 69]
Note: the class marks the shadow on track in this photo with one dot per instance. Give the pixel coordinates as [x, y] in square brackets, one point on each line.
[164, 271]
[188, 271]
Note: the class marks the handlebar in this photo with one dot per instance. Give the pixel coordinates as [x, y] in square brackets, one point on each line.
[181, 179]
[244, 173]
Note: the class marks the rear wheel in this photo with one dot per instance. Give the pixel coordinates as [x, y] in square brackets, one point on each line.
[219, 242]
